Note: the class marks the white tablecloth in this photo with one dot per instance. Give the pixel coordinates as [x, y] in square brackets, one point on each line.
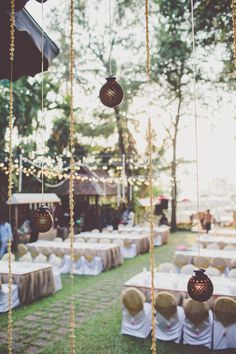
[110, 253]
[159, 231]
[141, 241]
[209, 253]
[217, 239]
[177, 283]
[223, 232]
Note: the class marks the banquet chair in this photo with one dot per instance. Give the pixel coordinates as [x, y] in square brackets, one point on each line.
[59, 252]
[95, 231]
[58, 239]
[136, 314]
[201, 262]
[129, 249]
[213, 272]
[232, 273]
[27, 257]
[4, 293]
[92, 240]
[79, 262]
[80, 240]
[212, 246]
[187, 269]
[167, 268]
[229, 248]
[34, 251]
[92, 265]
[198, 323]
[224, 329]
[221, 245]
[104, 240]
[232, 263]
[218, 263]
[46, 251]
[115, 232]
[55, 261]
[41, 258]
[169, 317]
[157, 240]
[180, 260]
[119, 242]
[22, 249]
[5, 257]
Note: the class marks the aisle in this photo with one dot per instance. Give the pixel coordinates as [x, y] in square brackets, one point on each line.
[42, 328]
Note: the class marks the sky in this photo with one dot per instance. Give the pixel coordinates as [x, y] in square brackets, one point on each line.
[216, 133]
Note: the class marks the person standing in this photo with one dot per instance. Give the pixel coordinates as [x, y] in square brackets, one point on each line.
[207, 220]
[5, 235]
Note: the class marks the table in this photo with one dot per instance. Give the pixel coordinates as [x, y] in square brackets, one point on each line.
[110, 253]
[223, 232]
[209, 253]
[177, 284]
[34, 280]
[161, 232]
[220, 240]
[141, 241]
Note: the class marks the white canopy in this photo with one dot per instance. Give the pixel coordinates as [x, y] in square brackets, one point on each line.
[34, 198]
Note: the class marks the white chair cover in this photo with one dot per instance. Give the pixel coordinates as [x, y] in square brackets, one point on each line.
[5, 257]
[79, 266]
[57, 279]
[92, 240]
[93, 267]
[55, 261]
[66, 263]
[187, 269]
[80, 240]
[26, 258]
[170, 330]
[40, 259]
[157, 240]
[224, 337]
[4, 291]
[139, 325]
[198, 335]
[130, 252]
[58, 239]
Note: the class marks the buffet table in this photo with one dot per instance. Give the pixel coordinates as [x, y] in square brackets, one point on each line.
[34, 280]
[110, 253]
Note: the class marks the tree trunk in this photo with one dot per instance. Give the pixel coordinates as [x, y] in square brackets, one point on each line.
[174, 192]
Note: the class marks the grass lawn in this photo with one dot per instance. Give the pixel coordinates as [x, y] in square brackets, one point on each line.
[99, 332]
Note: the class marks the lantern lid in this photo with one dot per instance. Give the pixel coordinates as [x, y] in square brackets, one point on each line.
[199, 272]
[111, 78]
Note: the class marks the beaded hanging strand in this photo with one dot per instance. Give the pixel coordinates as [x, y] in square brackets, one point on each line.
[234, 28]
[10, 181]
[150, 178]
[71, 181]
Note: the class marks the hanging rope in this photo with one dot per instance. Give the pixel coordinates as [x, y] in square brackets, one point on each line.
[234, 28]
[10, 181]
[150, 177]
[71, 183]
[42, 100]
[195, 123]
[110, 33]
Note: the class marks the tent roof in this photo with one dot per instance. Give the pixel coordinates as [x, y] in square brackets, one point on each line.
[28, 198]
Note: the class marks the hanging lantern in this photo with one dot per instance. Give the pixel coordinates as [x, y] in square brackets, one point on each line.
[42, 219]
[111, 93]
[200, 287]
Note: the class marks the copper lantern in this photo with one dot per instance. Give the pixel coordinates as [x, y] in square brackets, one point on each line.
[42, 219]
[111, 93]
[200, 287]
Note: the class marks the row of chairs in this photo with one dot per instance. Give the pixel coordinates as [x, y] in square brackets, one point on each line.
[202, 262]
[189, 268]
[218, 246]
[193, 324]
[88, 264]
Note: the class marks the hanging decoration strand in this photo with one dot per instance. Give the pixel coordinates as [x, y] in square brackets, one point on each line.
[42, 101]
[150, 177]
[110, 33]
[195, 123]
[71, 182]
[234, 28]
[10, 181]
